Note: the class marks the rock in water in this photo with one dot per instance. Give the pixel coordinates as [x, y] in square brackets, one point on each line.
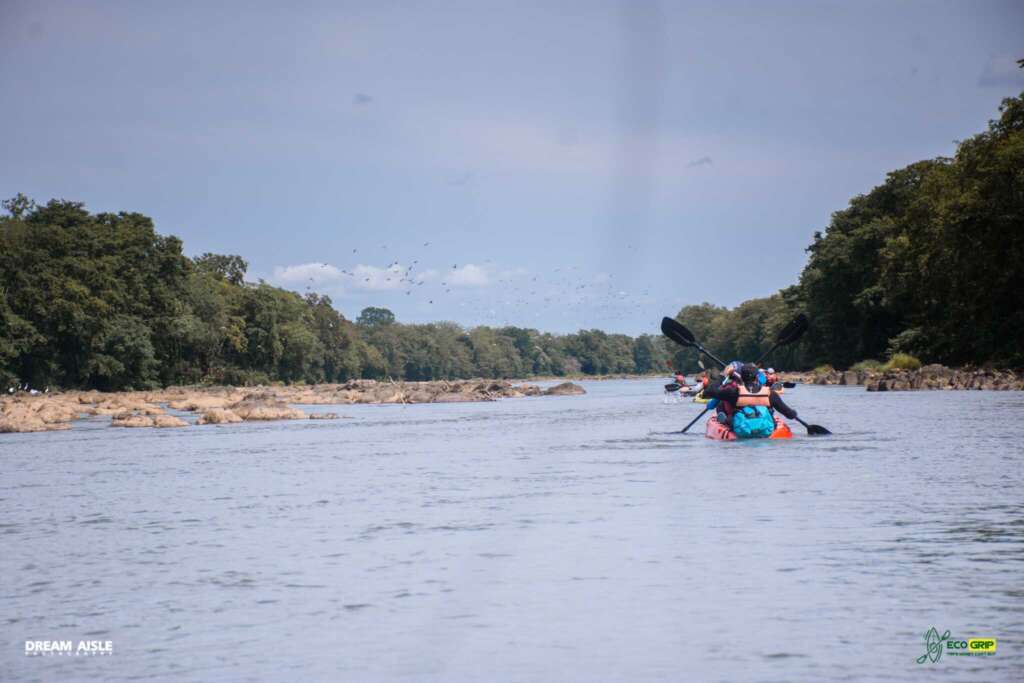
[565, 389]
[218, 416]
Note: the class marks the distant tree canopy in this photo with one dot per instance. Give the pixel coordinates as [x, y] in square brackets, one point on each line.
[372, 317]
[231, 268]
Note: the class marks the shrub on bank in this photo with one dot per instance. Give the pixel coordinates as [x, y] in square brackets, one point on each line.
[903, 361]
[823, 369]
[868, 365]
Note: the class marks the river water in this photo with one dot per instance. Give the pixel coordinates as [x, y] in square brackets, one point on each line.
[554, 538]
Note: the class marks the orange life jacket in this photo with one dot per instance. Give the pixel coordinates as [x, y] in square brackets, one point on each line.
[761, 398]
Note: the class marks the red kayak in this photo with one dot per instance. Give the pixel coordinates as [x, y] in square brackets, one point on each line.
[716, 430]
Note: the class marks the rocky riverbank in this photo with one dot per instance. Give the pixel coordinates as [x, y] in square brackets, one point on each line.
[929, 377]
[223, 405]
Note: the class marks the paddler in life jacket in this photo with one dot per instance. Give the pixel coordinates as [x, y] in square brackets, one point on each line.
[771, 377]
[701, 382]
[745, 390]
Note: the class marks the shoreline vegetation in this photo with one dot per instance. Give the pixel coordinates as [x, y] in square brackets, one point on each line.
[925, 266]
[24, 412]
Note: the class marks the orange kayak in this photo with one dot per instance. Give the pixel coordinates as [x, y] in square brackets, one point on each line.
[716, 430]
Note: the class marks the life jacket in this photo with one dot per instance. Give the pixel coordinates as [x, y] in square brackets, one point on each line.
[762, 397]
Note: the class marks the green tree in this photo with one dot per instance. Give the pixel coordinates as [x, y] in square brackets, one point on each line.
[375, 317]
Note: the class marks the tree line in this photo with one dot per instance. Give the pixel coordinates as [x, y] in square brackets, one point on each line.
[103, 301]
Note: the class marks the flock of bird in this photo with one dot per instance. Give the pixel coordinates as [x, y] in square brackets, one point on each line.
[516, 297]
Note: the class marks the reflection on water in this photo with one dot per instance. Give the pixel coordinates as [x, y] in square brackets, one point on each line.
[530, 539]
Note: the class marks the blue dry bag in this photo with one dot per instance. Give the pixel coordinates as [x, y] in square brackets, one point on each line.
[753, 422]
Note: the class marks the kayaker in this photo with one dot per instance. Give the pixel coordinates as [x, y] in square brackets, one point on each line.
[747, 392]
[770, 377]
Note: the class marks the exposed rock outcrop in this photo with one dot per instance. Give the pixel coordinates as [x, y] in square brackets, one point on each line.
[929, 377]
[565, 389]
[218, 416]
[226, 405]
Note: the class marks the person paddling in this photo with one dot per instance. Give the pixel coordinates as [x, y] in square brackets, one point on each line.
[746, 405]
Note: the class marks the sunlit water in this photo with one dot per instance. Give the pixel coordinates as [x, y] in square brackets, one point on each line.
[532, 539]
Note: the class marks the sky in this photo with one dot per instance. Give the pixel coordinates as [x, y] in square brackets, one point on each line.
[557, 165]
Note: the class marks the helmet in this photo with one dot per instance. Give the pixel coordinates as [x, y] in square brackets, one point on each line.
[749, 373]
[771, 371]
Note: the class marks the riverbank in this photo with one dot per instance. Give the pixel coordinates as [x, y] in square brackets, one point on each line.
[23, 412]
[930, 377]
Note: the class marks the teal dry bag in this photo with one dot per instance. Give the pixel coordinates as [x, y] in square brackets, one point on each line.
[753, 422]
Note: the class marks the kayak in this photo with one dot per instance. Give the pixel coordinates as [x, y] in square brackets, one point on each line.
[700, 399]
[716, 430]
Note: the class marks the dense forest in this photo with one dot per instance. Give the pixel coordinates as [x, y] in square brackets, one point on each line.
[928, 263]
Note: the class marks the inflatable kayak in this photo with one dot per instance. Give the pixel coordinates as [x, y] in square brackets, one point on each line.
[700, 399]
[716, 430]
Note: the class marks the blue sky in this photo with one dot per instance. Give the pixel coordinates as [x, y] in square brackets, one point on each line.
[554, 165]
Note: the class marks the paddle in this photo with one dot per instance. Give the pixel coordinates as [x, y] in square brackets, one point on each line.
[706, 409]
[677, 332]
[671, 387]
[793, 330]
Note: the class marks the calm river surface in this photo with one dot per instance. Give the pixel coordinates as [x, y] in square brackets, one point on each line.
[558, 538]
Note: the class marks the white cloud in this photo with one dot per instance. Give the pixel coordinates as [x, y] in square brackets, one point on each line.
[375, 278]
[378, 279]
[305, 272]
[469, 275]
[426, 275]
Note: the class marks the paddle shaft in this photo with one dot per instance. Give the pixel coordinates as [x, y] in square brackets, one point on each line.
[709, 354]
[695, 420]
[767, 353]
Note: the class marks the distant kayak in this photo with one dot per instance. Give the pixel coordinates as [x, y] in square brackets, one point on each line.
[700, 399]
[719, 432]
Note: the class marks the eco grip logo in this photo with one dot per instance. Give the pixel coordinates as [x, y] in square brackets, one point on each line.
[935, 645]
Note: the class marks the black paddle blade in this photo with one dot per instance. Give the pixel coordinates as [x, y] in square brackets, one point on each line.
[793, 330]
[677, 332]
[672, 387]
[814, 430]
[789, 385]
